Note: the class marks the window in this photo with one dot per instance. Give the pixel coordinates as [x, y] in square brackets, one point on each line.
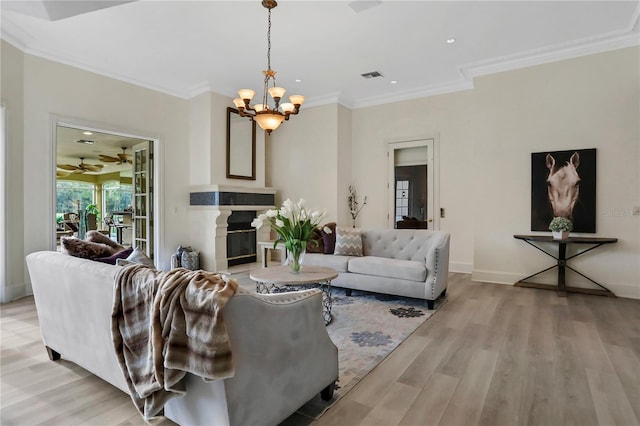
[402, 199]
[116, 197]
[73, 197]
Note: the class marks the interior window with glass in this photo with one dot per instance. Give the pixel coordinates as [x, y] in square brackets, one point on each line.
[73, 196]
[116, 197]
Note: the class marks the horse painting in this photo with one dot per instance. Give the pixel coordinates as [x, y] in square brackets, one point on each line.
[563, 184]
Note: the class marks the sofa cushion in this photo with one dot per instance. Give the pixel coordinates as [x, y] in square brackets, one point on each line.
[316, 244]
[98, 237]
[339, 263]
[137, 256]
[391, 268]
[329, 237]
[111, 260]
[348, 242]
[85, 249]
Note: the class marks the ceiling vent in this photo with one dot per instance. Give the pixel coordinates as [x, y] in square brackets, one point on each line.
[372, 74]
[85, 141]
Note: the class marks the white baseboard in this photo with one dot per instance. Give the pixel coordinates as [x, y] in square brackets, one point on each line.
[15, 292]
[496, 277]
[463, 268]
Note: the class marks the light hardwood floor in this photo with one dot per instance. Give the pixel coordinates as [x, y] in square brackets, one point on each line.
[492, 355]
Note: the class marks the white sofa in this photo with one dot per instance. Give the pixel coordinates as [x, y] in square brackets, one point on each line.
[403, 262]
[282, 353]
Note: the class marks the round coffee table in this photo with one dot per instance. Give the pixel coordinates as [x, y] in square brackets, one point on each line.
[277, 279]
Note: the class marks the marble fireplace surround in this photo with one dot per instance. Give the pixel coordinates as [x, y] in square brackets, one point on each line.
[209, 209]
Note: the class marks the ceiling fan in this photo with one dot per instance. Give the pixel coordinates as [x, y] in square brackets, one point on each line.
[82, 167]
[120, 159]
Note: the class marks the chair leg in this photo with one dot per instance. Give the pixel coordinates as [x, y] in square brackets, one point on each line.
[53, 355]
[430, 304]
[347, 291]
[327, 393]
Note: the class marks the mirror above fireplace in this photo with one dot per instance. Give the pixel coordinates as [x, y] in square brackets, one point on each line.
[241, 146]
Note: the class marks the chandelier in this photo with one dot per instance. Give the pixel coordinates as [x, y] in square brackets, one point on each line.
[268, 118]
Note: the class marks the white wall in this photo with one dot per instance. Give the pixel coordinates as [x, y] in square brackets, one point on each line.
[303, 159]
[13, 282]
[52, 89]
[449, 116]
[486, 138]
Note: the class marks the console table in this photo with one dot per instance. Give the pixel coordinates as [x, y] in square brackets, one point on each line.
[561, 263]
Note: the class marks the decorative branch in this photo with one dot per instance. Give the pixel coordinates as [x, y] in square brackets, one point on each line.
[354, 206]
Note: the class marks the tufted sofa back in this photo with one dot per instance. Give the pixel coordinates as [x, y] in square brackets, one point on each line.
[401, 244]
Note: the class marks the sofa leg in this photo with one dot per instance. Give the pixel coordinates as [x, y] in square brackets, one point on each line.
[444, 293]
[53, 355]
[327, 393]
[430, 304]
[347, 291]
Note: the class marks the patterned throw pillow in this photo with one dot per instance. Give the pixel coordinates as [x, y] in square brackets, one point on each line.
[348, 242]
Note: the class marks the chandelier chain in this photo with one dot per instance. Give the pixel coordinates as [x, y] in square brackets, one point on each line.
[269, 42]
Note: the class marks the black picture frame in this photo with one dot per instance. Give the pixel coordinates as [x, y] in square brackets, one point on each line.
[547, 163]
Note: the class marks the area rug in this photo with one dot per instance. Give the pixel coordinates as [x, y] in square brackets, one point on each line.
[366, 327]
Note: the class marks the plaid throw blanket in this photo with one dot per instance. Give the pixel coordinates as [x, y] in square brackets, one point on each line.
[167, 324]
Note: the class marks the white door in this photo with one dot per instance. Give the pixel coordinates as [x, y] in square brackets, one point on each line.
[143, 197]
[417, 154]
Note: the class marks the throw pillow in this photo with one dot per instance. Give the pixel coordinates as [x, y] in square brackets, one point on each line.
[329, 237]
[85, 249]
[348, 242]
[315, 244]
[111, 260]
[98, 237]
[139, 256]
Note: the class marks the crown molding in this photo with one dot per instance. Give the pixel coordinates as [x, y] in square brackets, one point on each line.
[548, 55]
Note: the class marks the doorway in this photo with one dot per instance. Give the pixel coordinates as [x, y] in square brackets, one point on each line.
[413, 184]
[104, 182]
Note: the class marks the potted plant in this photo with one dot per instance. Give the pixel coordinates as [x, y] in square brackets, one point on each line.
[560, 227]
[92, 216]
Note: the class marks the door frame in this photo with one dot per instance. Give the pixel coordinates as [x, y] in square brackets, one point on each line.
[55, 121]
[432, 144]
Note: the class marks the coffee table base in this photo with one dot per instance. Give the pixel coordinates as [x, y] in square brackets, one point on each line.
[324, 286]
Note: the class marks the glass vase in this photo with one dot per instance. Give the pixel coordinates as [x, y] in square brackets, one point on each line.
[295, 256]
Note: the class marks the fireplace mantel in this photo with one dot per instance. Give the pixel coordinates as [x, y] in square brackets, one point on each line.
[211, 206]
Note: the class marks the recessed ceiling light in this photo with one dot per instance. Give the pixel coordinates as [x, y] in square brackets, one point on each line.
[451, 40]
[394, 81]
[88, 133]
[298, 80]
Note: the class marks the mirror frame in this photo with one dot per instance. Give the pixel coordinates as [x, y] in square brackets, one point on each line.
[253, 147]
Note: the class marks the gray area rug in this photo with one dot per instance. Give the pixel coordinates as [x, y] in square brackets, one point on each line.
[366, 327]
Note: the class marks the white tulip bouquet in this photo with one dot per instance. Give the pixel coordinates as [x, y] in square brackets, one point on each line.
[293, 223]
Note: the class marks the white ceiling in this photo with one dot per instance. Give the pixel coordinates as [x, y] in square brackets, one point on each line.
[69, 150]
[185, 48]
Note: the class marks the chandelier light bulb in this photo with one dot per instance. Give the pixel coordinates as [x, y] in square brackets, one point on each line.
[296, 99]
[238, 102]
[287, 107]
[269, 121]
[277, 92]
[246, 94]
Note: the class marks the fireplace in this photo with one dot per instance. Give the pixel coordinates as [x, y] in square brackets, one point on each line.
[241, 238]
[220, 224]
